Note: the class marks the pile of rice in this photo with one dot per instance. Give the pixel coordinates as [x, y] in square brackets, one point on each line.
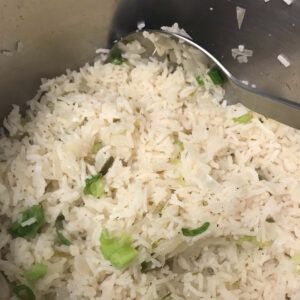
[242, 178]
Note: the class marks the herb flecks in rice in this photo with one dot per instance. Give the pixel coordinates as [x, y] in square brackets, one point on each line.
[241, 175]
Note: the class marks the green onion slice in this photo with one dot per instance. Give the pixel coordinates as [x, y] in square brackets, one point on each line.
[94, 186]
[197, 231]
[243, 119]
[216, 76]
[115, 56]
[200, 80]
[62, 239]
[247, 238]
[36, 272]
[117, 61]
[59, 228]
[253, 240]
[118, 250]
[96, 147]
[179, 144]
[23, 292]
[107, 166]
[30, 223]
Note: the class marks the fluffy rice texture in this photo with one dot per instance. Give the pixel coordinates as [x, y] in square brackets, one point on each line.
[244, 179]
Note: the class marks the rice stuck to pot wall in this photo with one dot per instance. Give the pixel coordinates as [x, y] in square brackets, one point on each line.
[134, 180]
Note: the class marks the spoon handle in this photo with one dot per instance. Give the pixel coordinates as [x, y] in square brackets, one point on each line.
[279, 109]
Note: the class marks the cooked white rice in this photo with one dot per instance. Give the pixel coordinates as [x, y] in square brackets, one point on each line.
[244, 179]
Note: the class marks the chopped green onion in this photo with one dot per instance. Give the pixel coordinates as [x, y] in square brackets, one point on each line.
[253, 240]
[59, 253]
[247, 238]
[59, 228]
[94, 186]
[243, 119]
[216, 76]
[107, 166]
[96, 147]
[36, 272]
[156, 243]
[117, 61]
[179, 143]
[115, 56]
[31, 221]
[123, 257]
[200, 80]
[117, 250]
[62, 239]
[23, 292]
[197, 231]
[146, 266]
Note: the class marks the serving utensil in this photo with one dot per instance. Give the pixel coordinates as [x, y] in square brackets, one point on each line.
[271, 106]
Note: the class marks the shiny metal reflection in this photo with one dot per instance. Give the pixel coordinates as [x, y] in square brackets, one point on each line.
[272, 106]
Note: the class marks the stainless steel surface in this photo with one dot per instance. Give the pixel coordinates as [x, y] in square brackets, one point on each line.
[278, 108]
[55, 35]
[64, 34]
[268, 28]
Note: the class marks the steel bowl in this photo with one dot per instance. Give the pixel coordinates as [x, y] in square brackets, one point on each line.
[41, 39]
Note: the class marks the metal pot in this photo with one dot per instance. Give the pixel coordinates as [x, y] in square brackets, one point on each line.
[44, 38]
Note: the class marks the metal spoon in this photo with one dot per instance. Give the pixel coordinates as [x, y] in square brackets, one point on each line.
[277, 108]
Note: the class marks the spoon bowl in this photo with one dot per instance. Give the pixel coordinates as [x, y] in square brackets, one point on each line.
[272, 106]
